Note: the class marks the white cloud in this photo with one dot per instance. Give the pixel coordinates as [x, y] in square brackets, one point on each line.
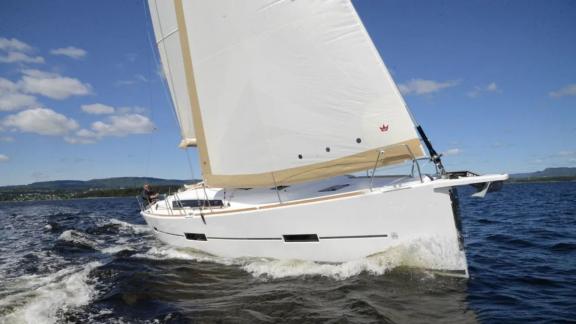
[70, 51]
[52, 85]
[492, 87]
[79, 140]
[131, 110]
[123, 125]
[13, 57]
[6, 139]
[453, 151]
[137, 78]
[422, 87]
[160, 72]
[567, 153]
[118, 125]
[11, 99]
[14, 45]
[15, 101]
[478, 90]
[7, 86]
[17, 51]
[41, 121]
[569, 90]
[98, 109]
[82, 136]
[4, 158]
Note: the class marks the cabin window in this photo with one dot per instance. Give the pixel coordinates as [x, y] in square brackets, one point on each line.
[301, 238]
[195, 236]
[334, 187]
[197, 203]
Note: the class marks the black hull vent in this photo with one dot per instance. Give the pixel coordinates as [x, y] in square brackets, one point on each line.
[195, 236]
[301, 238]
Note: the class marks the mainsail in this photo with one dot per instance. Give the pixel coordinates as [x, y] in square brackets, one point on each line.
[281, 91]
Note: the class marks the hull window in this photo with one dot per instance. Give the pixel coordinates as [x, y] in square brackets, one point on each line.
[195, 236]
[301, 238]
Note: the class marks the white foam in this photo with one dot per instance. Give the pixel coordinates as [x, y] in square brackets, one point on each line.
[137, 229]
[168, 252]
[39, 299]
[423, 252]
[116, 249]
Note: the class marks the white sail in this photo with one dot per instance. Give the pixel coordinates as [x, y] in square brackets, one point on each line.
[168, 41]
[288, 91]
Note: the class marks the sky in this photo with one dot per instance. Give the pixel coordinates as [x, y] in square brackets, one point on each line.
[493, 83]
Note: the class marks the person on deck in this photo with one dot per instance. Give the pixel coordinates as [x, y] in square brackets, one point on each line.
[149, 196]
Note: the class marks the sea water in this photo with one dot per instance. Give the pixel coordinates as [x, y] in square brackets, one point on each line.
[95, 261]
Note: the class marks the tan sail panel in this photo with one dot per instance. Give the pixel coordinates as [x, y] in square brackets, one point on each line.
[362, 161]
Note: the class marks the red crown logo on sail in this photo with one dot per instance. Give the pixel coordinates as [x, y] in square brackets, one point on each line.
[384, 128]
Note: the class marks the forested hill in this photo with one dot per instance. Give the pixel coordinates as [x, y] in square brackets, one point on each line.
[107, 183]
[548, 174]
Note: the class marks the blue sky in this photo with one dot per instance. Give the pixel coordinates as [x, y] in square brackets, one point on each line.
[492, 82]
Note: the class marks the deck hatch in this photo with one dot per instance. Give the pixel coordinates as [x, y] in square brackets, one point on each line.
[279, 188]
[195, 236]
[301, 238]
[334, 187]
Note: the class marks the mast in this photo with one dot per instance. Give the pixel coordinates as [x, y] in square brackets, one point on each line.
[434, 157]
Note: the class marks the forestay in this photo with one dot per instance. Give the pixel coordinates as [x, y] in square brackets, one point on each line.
[287, 91]
[168, 41]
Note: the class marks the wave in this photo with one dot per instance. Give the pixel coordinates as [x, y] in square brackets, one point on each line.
[40, 299]
[77, 240]
[117, 248]
[134, 228]
[174, 253]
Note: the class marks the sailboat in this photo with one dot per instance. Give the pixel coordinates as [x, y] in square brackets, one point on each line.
[292, 112]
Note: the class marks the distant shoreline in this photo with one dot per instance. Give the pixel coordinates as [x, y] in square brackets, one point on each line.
[64, 199]
[542, 180]
[536, 181]
[61, 194]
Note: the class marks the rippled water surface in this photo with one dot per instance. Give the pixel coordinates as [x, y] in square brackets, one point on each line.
[95, 261]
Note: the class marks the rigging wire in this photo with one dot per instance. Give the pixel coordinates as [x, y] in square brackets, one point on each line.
[192, 173]
[150, 99]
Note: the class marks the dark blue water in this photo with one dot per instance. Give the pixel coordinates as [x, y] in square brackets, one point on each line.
[85, 261]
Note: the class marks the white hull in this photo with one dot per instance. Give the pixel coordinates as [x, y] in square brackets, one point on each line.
[340, 226]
